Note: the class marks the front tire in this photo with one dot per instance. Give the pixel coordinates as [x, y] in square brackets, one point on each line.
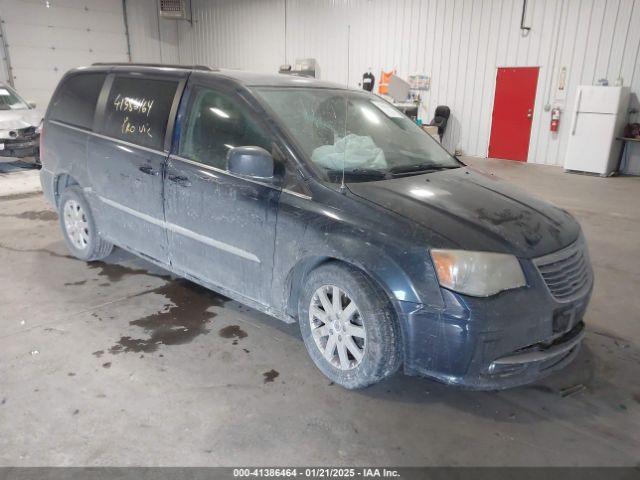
[79, 227]
[348, 326]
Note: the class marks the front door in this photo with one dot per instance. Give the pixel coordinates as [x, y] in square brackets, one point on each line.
[126, 159]
[221, 227]
[513, 112]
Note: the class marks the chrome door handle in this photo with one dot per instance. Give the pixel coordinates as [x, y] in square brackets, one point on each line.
[148, 170]
[182, 181]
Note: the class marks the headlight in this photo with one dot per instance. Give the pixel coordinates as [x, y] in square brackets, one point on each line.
[479, 274]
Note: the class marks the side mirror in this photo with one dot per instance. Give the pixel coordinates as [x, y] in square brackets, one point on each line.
[253, 162]
[31, 104]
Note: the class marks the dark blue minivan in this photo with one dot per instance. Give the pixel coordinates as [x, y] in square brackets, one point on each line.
[320, 205]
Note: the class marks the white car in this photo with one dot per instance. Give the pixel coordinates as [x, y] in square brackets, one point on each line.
[20, 123]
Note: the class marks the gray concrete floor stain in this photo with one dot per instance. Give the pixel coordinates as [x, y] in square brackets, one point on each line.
[116, 272]
[270, 376]
[37, 250]
[41, 215]
[233, 331]
[179, 322]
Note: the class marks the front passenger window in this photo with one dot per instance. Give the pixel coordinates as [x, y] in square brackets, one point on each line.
[216, 124]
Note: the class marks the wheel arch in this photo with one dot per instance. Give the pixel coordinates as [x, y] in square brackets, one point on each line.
[297, 277]
[298, 274]
[60, 183]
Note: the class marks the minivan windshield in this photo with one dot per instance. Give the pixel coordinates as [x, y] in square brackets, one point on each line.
[362, 133]
[10, 100]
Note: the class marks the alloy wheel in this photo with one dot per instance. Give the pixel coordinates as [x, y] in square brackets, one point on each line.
[337, 327]
[76, 224]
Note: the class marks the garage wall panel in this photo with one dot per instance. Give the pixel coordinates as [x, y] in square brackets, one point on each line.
[44, 42]
[153, 39]
[458, 43]
[234, 34]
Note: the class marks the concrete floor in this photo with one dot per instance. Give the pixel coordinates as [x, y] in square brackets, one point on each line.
[115, 363]
[17, 176]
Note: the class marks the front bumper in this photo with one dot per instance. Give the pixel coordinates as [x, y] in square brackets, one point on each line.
[544, 355]
[19, 148]
[510, 339]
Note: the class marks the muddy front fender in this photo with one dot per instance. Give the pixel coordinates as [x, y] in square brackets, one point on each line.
[311, 233]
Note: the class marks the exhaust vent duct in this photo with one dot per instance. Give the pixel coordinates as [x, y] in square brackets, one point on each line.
[172, 9]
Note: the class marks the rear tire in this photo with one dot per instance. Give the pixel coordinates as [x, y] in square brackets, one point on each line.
[79, 227]
[348, 326]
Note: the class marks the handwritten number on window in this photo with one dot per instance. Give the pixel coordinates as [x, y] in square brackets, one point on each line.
[131, 128]
[138, 107]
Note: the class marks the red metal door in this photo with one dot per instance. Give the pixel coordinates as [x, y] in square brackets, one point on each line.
[513, 112]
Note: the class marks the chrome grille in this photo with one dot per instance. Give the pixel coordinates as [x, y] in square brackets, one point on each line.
[567, 272]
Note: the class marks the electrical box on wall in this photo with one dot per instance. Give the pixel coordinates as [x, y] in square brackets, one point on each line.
[172, 9]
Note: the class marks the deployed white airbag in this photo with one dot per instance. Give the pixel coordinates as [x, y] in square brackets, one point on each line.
[352, 151]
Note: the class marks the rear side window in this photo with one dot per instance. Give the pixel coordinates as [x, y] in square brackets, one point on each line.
[138, 109]
[75, 102]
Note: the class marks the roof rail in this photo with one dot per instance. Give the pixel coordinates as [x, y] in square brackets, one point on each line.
[165, 65]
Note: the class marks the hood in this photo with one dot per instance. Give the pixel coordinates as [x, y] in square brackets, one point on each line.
[475, 211]
[12, 120]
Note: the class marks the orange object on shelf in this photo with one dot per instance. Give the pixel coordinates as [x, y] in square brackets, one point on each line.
[383, 85]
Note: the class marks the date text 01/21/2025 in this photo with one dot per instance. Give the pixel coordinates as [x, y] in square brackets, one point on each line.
[317, 472]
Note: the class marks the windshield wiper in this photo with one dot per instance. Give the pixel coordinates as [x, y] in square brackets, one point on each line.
[419, 168]
[358, 173]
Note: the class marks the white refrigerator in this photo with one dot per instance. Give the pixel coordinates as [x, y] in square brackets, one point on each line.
[599, 116]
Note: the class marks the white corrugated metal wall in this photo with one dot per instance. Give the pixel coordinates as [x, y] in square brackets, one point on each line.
[248, 35]
[229, 33]
[46, 41]
[153, 39]
[458, 43]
